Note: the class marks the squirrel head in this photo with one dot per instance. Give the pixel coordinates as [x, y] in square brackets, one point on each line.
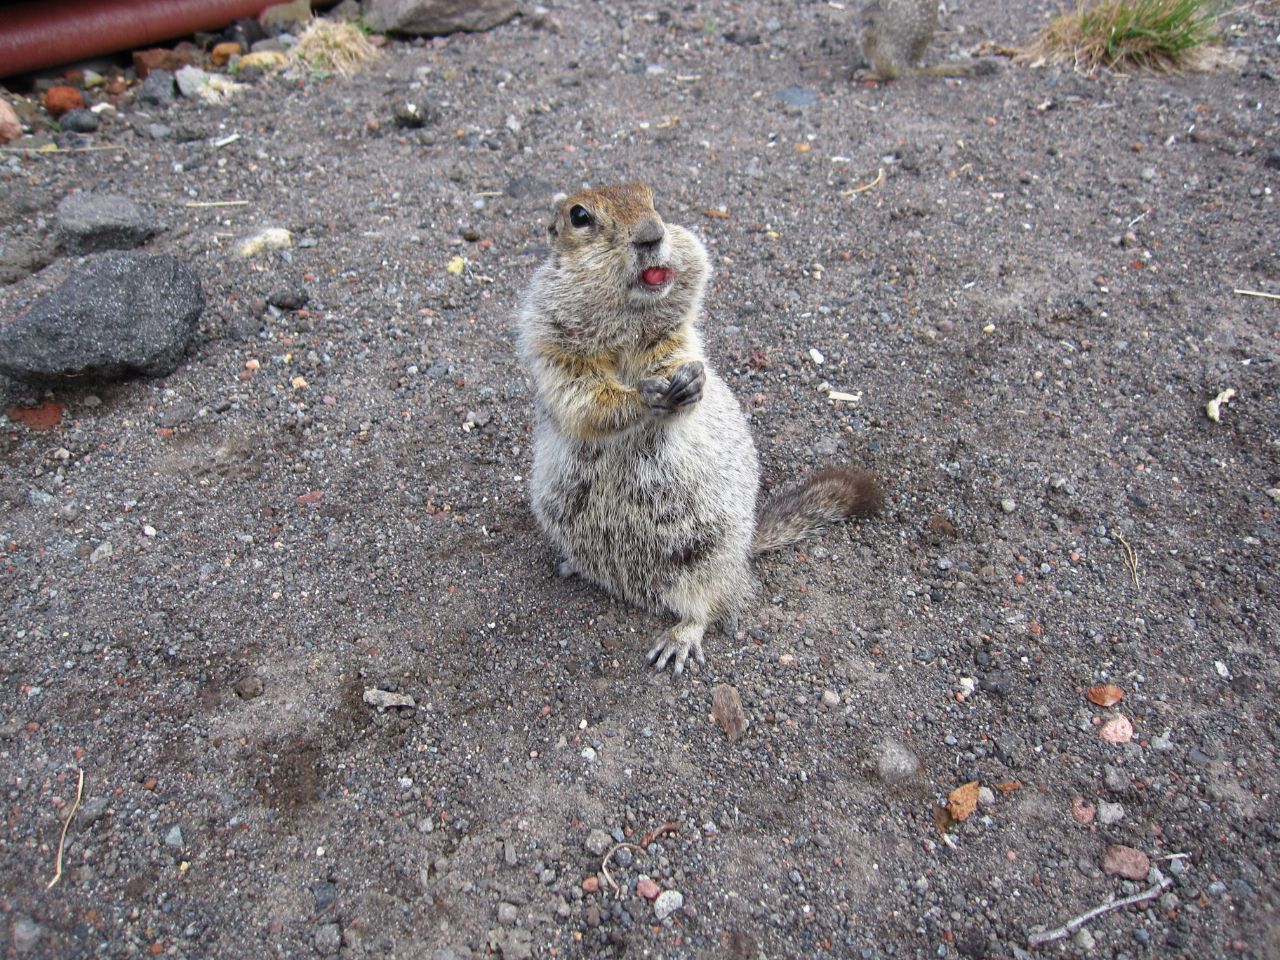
[618, 274]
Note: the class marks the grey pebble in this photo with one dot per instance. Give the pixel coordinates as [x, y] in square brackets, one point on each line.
[668, 902]
[507, 914]
[328, 939]
[93, 810]
[896, 764]
[1110, 813]
[174, 837]
[27, 934]
[79, 121]
[598, 842]
[1115, 779]
[157, 89]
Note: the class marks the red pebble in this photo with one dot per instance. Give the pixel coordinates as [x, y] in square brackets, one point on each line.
[58, 100]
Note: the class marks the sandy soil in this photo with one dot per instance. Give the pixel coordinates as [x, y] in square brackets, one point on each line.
[1025, 283]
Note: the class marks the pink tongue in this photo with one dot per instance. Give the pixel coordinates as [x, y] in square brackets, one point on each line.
[655, 276]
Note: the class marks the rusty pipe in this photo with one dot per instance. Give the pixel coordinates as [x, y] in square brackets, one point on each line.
[45, 33]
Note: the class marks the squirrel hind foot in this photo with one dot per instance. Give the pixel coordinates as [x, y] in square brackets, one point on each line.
[676, 645]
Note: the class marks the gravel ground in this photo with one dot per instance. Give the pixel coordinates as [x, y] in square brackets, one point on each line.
[1030, 308]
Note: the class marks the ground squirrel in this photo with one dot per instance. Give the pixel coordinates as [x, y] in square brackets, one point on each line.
[894, 37]
[644, 471]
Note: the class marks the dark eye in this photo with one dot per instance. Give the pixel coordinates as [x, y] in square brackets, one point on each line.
[580, 216]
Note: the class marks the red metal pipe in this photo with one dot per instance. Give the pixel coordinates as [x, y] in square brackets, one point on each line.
[44, 33]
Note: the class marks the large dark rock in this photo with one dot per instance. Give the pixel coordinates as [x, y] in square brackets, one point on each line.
[436, 17]
[116, 315]
[94, 222]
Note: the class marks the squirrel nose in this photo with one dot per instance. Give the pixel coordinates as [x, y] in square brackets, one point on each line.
[648, 234]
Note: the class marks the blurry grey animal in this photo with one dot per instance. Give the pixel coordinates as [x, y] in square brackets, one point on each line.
[894, 37]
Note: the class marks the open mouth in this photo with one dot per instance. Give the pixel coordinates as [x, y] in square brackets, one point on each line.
[655, 278]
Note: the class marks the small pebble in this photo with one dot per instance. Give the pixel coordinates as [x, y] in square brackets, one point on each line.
[1122, 861]
[27, 934]
[1110, 813]
[1084, 940]
[79, 121]
[668, 902]
[328, 939]
[896, 764]
[598, 843]
[830, 699]
[1007, 505]
[646, 888]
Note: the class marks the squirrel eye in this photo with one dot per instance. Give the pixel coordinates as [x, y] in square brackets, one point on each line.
[580, 216]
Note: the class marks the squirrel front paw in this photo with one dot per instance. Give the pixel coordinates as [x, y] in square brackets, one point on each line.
[663, 395]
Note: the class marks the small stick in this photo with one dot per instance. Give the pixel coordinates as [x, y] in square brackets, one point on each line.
[671, 826]
[62, 841]
[866, 186]
[1130, 559]
[217, 203]
[604, 866]
[649, 837]
[1068, 928]
[1257, 293]
[54, 148]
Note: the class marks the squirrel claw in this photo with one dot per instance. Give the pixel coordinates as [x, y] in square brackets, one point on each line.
[662, 395]
[674, 649]
[653, 394]
[686, 384]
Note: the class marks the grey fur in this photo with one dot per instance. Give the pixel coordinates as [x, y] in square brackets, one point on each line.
[896, 34]
[659, 509]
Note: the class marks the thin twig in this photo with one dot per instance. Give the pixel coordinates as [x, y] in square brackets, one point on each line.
[1130, 559]
[1257, 293]
[54, 148]
[671, 826]
[604, 866]
[62, 841]
[668, 827]
[216, 203]
[1068, 928]
[866, 186]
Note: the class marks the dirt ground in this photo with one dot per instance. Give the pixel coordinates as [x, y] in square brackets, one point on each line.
[1024, 285]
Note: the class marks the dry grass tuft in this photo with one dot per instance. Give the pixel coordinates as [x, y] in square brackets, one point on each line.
[333, 46]
[1165, 35]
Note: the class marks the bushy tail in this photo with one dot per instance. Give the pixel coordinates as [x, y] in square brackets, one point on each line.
[831, 494]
